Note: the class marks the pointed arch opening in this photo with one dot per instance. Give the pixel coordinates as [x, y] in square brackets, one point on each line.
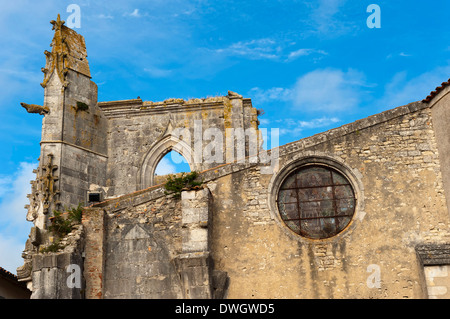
[158, 151]
[172, 163]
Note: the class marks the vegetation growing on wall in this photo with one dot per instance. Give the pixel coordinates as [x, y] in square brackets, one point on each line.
[61, 225]
[186, 181]
[82, 106]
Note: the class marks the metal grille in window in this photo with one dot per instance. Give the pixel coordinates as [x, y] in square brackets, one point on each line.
[316, 202]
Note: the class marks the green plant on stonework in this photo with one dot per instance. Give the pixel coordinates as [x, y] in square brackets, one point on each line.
[52, 248]
[82, 106]
[175, 184]
[62, 225]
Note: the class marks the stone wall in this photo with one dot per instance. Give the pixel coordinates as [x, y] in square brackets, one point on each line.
[227, 239]
[440, 107]
[140, 243]
[151, 245]
[59, 275]
[394, 161]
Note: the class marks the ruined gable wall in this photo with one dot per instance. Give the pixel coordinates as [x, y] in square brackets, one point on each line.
[130, 138]
[394, 156]
[136, 128]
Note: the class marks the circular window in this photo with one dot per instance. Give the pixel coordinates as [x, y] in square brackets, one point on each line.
[316, 201]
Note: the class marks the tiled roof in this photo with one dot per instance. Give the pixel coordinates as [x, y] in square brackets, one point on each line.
[5, 273]
[436, 91]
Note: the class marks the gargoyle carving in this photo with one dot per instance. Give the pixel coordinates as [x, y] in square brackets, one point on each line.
[33, 108]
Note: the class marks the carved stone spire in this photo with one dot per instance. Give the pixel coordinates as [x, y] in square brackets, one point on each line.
[68, 53]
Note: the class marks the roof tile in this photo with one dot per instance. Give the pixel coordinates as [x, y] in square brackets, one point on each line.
[436, 91]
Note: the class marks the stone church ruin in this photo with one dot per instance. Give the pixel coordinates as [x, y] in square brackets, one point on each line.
[359, 211]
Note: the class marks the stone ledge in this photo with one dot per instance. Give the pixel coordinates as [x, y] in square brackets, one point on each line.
[434, 254]
[352, 127]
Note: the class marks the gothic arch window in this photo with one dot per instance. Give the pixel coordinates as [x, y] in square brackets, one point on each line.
[146, 175]
[172, 163]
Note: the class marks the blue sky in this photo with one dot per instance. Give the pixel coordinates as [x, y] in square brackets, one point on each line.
[310, 65]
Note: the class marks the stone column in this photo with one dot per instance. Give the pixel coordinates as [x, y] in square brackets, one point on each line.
[194, 264]
[94, 263]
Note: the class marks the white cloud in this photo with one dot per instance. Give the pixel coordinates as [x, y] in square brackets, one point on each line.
[321, 90]
[5, 183]
[14, 197]
[135, 13]
[11, 249]
[14, 228]
[328, 90]
[157, 72]
[401, 54]
[304, 52]
[325, 18]
[165, 167]
[264, 122]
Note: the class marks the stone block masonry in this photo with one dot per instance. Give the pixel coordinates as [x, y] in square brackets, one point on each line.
[156, 249]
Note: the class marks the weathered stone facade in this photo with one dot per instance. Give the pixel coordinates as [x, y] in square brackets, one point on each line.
[226, 238]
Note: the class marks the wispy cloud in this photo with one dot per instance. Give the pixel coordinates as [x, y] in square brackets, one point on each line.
[322, 90]
[136, 13]
[401, 54]
[5, 184]
[14, 192]
[326, 18]
[11, 249]
[172, 163]
[329, 90]
[402, 89]
[157, 72]
[304, 52]
[268, 49]
[294, 127]
[260, 96]
[254, 49]
[105, 16]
